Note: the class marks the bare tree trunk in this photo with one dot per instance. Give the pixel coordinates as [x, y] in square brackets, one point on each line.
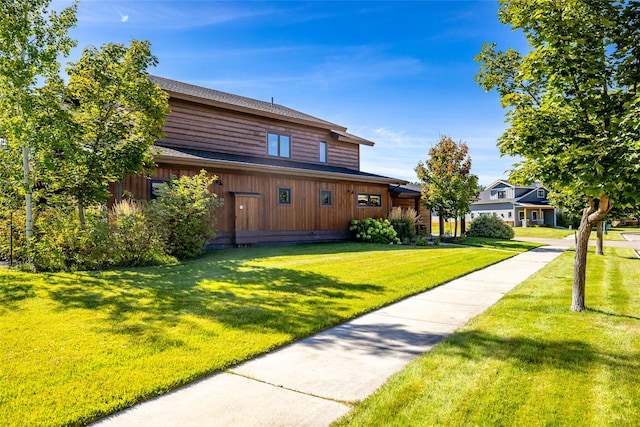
[580, 262]
[590, 216]
[81, 215]
[441, 225]
[600, 238]
[463, 226]
[455, 228]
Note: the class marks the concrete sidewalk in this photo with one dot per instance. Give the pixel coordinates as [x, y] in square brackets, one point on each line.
[313, 381]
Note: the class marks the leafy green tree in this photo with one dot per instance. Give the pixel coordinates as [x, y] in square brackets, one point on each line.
[448, 182]
[573, 105]
[32, 38]
[114, 115]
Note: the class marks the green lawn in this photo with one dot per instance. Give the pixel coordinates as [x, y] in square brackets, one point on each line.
[542, 232]
[78, 346]
[529, 360]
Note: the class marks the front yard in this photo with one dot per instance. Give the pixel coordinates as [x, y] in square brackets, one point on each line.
[529, 360]
[79, 346]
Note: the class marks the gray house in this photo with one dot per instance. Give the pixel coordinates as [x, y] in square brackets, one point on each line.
[517, 205]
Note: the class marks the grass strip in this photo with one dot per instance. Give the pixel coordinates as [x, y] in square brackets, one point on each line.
[529, 360]
[78, 346]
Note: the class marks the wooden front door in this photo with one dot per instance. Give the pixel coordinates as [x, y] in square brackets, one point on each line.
[248, 218]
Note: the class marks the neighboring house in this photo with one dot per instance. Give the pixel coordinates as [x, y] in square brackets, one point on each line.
[285, 176]
[517, 205]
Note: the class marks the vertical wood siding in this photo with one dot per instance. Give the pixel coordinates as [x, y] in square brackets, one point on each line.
[305, 211]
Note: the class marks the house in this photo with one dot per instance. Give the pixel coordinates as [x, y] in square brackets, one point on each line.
[285, 176]
[517, 205]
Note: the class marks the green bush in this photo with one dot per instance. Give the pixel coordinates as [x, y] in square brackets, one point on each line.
[183, 212]
[60, 243]
[490, 226]
[404, 222]
[374, 230]
[134, 240]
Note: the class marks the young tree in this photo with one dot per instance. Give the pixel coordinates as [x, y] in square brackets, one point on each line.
[573, 104]
[114, 115]
[32, 37]
[448, 182]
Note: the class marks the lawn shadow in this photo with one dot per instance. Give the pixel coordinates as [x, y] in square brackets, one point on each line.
[539, 353]
[147, 302]
[14, 288]
[608, 313]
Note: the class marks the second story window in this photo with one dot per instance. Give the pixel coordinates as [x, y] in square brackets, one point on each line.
[502, 194]
[540, 193]
[323, 152]
[278, 145]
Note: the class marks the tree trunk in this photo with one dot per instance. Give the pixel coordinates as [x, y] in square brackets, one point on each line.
[599, 240]
[580, 262]
[81, 215]
[463, 228]
[590, 216]
[441, 234]
[455, 228]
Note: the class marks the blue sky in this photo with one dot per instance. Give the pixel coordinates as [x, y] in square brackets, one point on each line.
[397, 73]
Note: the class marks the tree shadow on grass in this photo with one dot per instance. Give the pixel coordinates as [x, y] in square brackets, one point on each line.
[146, 302]
[14, 288]
[538, 353]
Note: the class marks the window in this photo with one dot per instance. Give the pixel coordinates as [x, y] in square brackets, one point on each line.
[521, 215]
[510, 214]
[278, 145]
[373, 200]
[502, 194]
[534, 216]
[284, 196]
[540, 193]
[323, 152]
[472, 216]
[154, 187]
[325, 198]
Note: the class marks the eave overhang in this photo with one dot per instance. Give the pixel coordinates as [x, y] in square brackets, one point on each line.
[172, 156]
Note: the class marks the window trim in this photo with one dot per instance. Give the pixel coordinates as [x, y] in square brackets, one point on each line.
[502, 194]
[286, 190]
[279, 136]
[540, 190]
[322, 200]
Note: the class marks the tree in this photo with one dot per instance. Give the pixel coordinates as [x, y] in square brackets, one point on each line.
[32, 37]
[114, 113]
[573, 104]
[448, 182]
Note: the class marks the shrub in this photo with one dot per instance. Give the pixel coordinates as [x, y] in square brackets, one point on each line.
[374, 231]
[134, 240]
[404, 222]
[183, 212]
[490, 226]
[60, 243]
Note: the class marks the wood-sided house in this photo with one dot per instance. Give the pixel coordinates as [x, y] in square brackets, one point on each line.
[284, 176]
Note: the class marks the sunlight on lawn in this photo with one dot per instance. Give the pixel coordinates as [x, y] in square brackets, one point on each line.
[77, 346]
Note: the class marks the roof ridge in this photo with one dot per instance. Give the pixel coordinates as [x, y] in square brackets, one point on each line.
[244, 102]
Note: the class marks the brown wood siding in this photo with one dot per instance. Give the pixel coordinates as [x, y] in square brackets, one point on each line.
[424, 214]
[305, 212]
[200, 127]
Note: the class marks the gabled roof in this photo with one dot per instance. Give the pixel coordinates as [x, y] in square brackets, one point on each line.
[267, 165]
[229, 101]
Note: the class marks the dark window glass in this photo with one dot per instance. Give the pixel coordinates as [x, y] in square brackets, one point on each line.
[284, 196]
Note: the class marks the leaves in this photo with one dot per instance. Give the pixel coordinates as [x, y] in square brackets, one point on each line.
[572, 100]
[446, 175]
